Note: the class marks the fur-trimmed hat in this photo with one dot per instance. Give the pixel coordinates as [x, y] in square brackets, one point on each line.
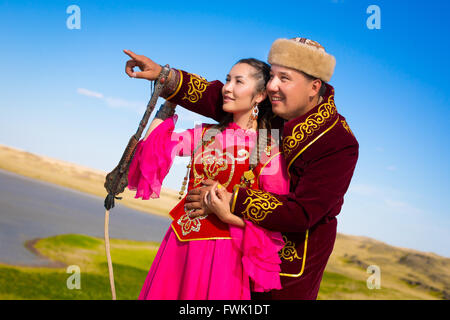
[304, 55]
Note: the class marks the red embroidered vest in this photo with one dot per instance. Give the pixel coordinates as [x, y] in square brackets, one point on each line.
[218, 161]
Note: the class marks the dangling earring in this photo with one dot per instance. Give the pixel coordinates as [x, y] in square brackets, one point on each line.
[253, 116]
[255, 111]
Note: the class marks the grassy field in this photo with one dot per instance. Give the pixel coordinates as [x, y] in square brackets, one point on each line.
[132, 260]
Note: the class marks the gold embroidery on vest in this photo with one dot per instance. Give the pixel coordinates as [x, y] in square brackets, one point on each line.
[214, 163]
[346, 127]
[260, 204]
[306, 128]
[288, 252]
[197, 85]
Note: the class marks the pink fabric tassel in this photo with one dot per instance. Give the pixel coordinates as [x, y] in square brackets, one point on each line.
[152, 161]
[259, 248]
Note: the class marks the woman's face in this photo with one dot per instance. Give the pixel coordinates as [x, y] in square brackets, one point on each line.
[239, 92]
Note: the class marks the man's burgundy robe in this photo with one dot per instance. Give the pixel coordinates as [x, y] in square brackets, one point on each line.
[321, 154]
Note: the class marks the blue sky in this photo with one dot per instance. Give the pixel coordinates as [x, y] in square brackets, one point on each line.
[64, 93]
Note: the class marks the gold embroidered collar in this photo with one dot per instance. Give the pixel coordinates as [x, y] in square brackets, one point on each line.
[300, 133]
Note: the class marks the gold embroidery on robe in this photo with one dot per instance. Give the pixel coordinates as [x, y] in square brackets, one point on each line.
[306, 128]
[197, 85]
[346, 127]
[260, 204]
[296, 275]
[288, 252]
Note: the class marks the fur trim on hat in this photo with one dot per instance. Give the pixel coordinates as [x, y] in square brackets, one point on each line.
[311, 59]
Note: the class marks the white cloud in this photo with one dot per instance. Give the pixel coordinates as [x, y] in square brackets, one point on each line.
[364, 190]
[402, 207]
[90, 93]
[114, 102]
[386, 198]
[121, 103]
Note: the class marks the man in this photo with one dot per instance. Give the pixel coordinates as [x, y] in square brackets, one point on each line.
[320, 151]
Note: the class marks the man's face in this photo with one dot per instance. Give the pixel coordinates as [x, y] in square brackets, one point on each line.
[289, 91]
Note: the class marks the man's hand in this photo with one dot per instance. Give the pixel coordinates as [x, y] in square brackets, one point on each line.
[149, 69]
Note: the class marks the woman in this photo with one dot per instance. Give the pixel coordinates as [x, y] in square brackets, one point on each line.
[217, 256]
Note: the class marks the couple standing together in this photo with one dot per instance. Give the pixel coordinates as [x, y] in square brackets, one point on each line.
[259, 218]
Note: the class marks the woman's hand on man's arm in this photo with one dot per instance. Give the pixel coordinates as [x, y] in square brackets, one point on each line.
[218, 201]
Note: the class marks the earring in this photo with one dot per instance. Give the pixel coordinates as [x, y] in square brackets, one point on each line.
[253, 116]
[255, 111]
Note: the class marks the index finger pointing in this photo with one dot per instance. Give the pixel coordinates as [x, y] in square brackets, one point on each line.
[131, 54]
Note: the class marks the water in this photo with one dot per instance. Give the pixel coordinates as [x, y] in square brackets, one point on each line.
[32, 209]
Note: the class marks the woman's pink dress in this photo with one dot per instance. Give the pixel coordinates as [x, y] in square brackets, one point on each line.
[187, 266]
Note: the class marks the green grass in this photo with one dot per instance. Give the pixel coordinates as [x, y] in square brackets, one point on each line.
[337, 286]
[131, 261]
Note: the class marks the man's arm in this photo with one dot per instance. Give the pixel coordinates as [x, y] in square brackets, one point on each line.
[318, 193]
[183, 88]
